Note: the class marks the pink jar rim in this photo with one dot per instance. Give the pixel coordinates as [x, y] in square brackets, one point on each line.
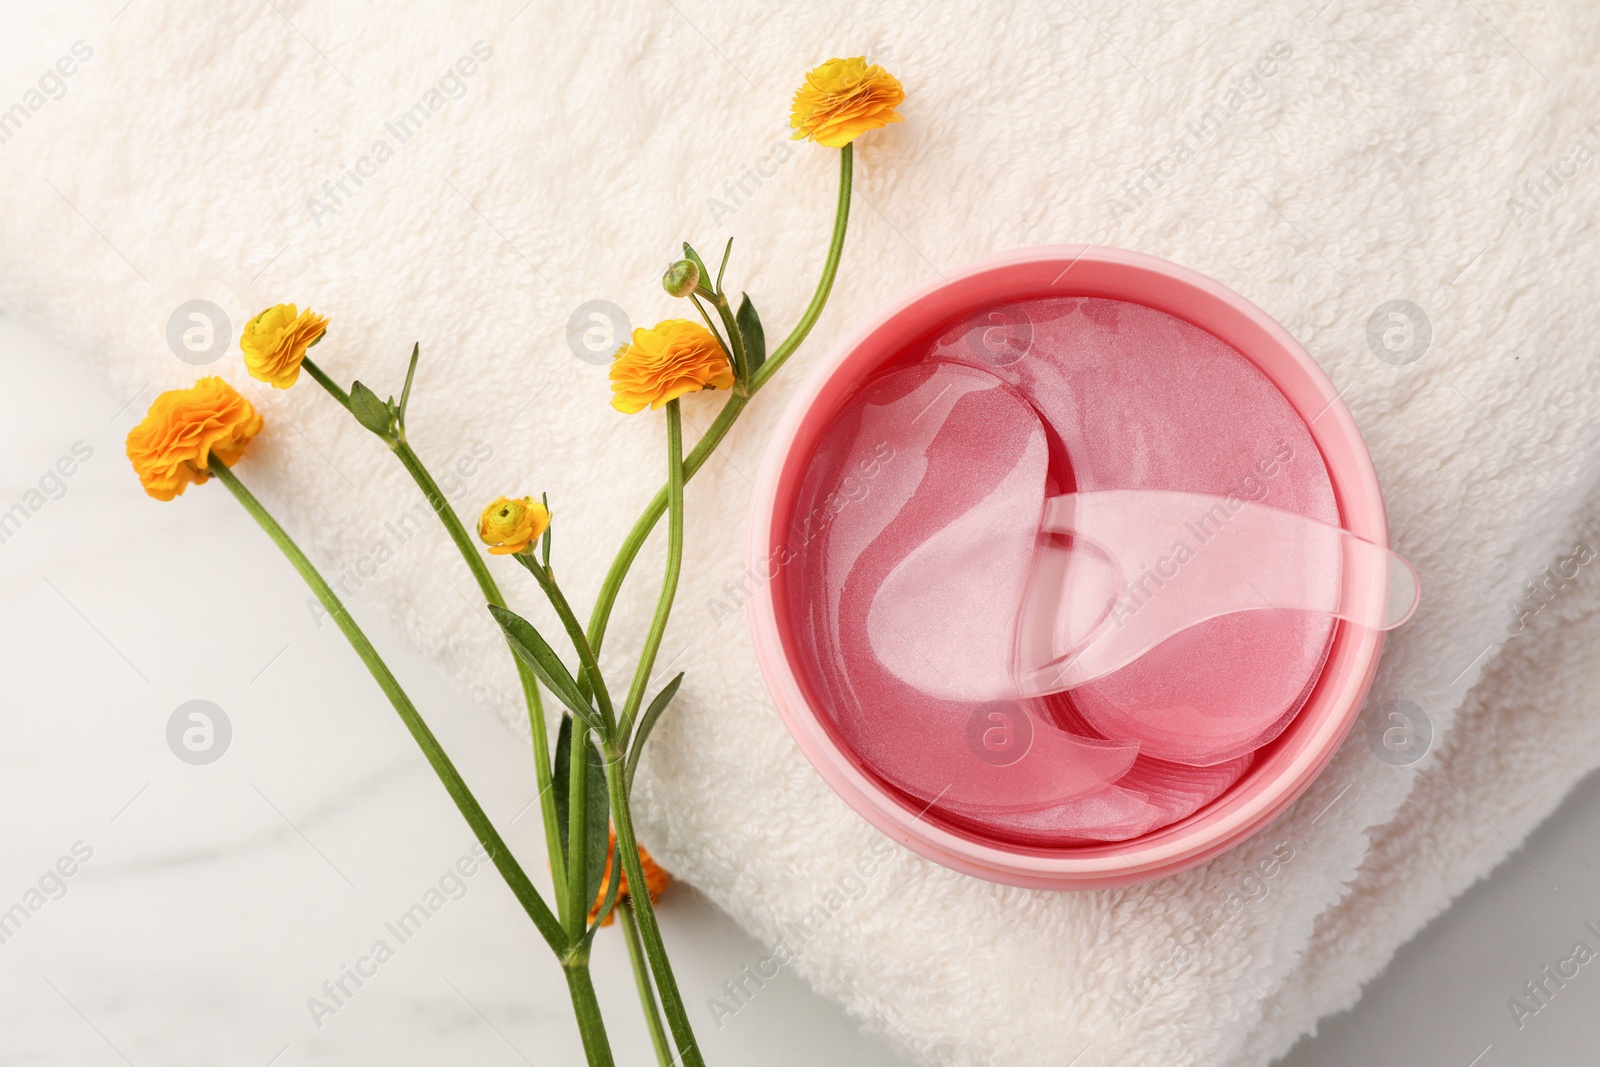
[1284, 769]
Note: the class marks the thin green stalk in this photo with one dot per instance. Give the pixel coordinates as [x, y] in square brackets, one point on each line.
[641, 979]
[530, 684]
[334, 388]
[669, 583]
[491, 591]
[589, 677]
[616, 764]
[592, 1027]
[741, 369]
[605, 600]
[695, 300]
[576, 919]
[670, 498]
[607, 597]
[830, 269]
[585, 1006]
[469, 549]
[649, 930]
[470, 809]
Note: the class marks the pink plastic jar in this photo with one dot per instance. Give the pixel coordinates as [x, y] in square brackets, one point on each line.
[1282, 769]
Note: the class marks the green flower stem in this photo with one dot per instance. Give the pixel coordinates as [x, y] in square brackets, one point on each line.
[641, 978]
[830, 269]
[576, 920]
[671, 497]
[334, 389]
[669, 583]
[493, 843]
[616, 762]
[589, 678]
[695, 300]
[491, 591]
[530, 683]
[585, 1006]
[741, 366]
[649, 930]
[606, 600]
[596, 1046]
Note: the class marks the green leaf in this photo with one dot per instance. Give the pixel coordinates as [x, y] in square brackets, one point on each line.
[369, 411]
[647, 722]
[611, 898]
[405, 394]
[599, 820]
[597, 811]
[724, 266]
[533, 650]
[544, 543]
[690, 254]
[560, 781]
[703, 287]
[755, 337]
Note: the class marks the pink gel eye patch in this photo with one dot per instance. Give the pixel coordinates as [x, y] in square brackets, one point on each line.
[925, 444]
[1076, 548]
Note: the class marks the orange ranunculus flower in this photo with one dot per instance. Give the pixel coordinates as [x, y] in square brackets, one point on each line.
[509, 526]
[274, 343]
[184, 430]
[656, 880]
[843, 99]
[664, 363]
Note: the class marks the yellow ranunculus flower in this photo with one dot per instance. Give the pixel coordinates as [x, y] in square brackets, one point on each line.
[665, 362]
[843, 99]
[274, 343]
[509, 526]
[184, 429]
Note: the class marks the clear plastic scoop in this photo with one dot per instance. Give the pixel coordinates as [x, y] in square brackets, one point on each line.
[1114, 574]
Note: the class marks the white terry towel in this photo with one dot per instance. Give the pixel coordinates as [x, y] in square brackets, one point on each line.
[1436, 153]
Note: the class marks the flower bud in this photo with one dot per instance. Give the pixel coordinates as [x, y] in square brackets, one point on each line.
[510, 525]
[681, 278]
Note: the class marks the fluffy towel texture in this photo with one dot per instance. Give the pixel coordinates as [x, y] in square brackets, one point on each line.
[1373, 163]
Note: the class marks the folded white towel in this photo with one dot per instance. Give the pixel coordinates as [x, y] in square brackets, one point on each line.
[468, 174]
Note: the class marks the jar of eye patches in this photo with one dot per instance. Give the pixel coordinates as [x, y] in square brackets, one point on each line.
[1077, 569]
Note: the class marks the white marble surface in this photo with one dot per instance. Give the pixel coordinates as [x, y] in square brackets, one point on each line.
[217, 899]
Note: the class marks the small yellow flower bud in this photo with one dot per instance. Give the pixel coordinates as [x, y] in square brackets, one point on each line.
[509, 526]
[681, 278]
